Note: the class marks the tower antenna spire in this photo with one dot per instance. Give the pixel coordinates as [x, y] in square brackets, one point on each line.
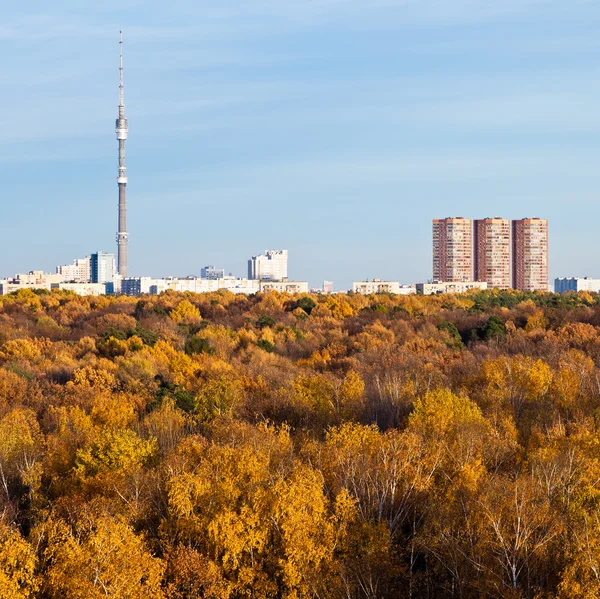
[122, 130]
[121, 70]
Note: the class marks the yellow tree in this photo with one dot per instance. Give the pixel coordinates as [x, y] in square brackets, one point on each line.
[101, 558]
[517, 534]
[185, 312]
[17, 565]
[305, 532]
[21, 447]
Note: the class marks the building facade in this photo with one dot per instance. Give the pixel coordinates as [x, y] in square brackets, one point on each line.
[137, 285]
[102, 267]
[37, 277]
[211, 273]
[270, 266]
[78, 272]
[564, 285]
[82, 288]
[10, 285]
[284, 286]
[491, 252]
[379, 286]
[530, 254]
[439, 287]
[452, 249]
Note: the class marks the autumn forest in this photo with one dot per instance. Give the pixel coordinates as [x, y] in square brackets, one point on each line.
[218, 446]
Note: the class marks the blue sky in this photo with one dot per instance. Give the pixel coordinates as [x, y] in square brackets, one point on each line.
[334, 128]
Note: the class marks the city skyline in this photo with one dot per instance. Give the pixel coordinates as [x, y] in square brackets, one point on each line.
[242, 146]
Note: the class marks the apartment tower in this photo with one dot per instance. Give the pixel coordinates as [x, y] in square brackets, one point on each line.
[452, 249]
[530, 254]
[270, 266]
[492, 251]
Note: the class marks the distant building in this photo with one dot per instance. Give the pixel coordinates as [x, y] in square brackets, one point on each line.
[78, 272]
[240, 286]
[82, 288]
[34, 279]
[211, 273]
[10, 285]
[439, 287]
[102, 267]
[284, 286]
[563, 285]
[379, 286]
[137, 285]
[452, 249]
[530, 254]
[327, 286]
[492, 252]
[38, 277]
[270, 266]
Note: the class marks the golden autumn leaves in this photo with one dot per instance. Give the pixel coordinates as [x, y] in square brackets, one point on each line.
[216, 446]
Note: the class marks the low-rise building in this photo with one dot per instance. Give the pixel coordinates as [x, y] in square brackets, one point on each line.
[82, 288]
[284, 286]
[378, 286]
[138, 285]
[242, 286]
[439, 287]
[34, 279]
[38, 277]
[10, 285]
[565, 284]
[196, 285]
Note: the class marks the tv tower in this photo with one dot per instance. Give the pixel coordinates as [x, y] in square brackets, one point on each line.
[121, 130]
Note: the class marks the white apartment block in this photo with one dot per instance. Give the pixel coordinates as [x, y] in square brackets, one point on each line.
[243, 286]
[40, 280]
[439, 287]
[379, 286]
[35, 279]
[82, 288]
[136, 286]
[284, 286]
[270, 266]
[10, 285]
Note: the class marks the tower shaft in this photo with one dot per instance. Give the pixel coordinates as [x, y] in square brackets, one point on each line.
[122, 129]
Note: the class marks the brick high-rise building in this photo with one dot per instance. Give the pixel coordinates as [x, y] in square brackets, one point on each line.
[452, 249]
[530, 254]
[492, 252]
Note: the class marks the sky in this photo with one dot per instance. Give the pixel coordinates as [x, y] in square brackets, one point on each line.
[336, 129]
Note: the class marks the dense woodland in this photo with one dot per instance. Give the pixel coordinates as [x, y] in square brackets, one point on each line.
[345, 447]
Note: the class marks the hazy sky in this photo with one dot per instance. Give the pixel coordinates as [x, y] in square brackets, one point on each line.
[334, 128]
